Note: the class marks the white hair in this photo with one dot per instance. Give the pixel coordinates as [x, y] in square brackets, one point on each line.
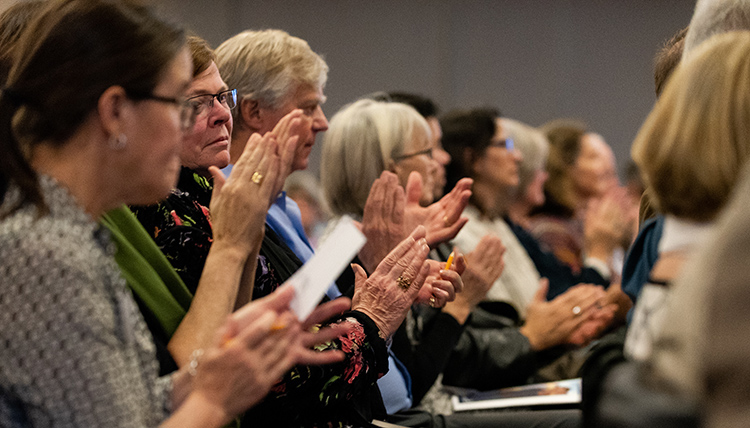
[267, 66]
[713, 17]
[362, 140]
[533, 145]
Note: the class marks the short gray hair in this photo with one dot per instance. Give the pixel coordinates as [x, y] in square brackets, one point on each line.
[362, 140]
[713, 17]
[533, 145]
[267, 65]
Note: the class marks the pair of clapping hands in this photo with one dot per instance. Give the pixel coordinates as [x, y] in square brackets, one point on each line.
[573, 318]
[254, 348]
[258, 176]
[401, 274]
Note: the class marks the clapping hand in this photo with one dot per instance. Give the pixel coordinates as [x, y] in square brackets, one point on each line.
[442, 220]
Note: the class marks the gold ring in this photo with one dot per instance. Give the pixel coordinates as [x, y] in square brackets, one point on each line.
[433, 302]
[446, 221]
[576, 310]
[404, 283]
[257, 177]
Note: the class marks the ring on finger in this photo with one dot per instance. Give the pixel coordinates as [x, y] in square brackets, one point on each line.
[404, 283]
[446, 221]
[433, 302]
[576, 310]
[257, 177]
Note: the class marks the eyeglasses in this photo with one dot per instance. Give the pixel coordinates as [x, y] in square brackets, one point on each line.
[506, 144]
[187, 118]
[427, 152]
[203, 103]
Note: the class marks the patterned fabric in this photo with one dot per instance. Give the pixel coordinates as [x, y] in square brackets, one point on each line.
[333, 395]
[74, 347]
[181, 226]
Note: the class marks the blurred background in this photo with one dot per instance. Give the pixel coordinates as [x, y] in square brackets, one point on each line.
[536, 60]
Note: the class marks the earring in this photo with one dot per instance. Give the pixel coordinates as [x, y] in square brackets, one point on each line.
[118, 142]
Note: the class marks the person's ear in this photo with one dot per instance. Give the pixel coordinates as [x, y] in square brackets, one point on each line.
[251, 114]
[470, 160]
[113, 108]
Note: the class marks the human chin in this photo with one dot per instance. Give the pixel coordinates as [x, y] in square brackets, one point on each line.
[219, 157]
[302, 158]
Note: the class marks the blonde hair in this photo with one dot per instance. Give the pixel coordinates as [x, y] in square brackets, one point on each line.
[692, 146]
[362, 140]
[534, 148]
[268, 65]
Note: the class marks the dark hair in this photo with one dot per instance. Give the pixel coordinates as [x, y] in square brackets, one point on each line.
[667, 59]
[564, 137]
[466, 136]
[12, 23]
[70, 54]
[423, 105]
[201, 53]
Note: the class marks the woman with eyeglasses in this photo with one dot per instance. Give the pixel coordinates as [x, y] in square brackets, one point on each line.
[183, 218]
[181, 315]
[75, 348]
[516, 307]
[364, 139]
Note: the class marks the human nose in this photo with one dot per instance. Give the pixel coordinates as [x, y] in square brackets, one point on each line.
[219, 113]
[320, 123]
[441, 156]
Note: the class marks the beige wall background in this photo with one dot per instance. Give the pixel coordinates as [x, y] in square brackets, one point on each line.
[536, 60]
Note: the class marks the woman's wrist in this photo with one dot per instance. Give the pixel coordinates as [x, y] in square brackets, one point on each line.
[231, 252]
[459, 310]
[198, 411]
[382, 327]
[534, 339]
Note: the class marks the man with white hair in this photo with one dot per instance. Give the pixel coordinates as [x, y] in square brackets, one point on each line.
[274, 74]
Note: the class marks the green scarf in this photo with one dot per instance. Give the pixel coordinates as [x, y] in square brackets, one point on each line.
[148, 273]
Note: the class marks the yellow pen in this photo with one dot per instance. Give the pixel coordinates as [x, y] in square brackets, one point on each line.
[450, 260]
[276, 326]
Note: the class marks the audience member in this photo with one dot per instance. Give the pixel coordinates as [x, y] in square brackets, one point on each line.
[644, 250]
[76, 348]
[429, 110]
[369, 137]
[582, 220]
[480, 150]
[474, 131]
[532, 171]
[690, 182]
[340, 393]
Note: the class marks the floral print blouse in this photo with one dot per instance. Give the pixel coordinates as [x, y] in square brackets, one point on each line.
[181, 226]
